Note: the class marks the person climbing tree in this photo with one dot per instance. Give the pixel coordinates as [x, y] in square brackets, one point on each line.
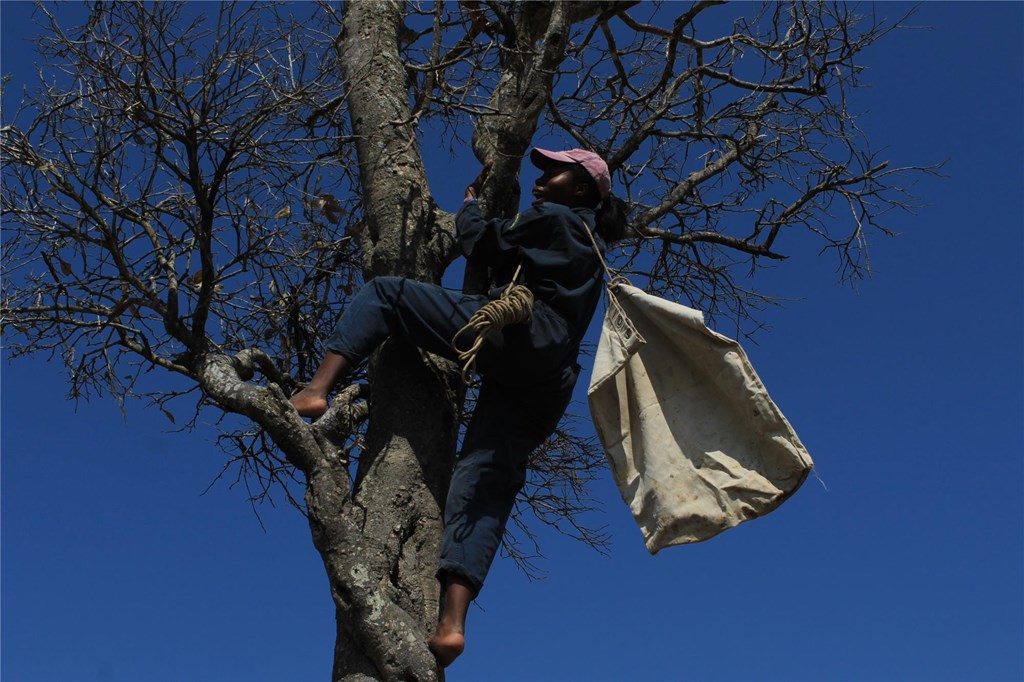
[528, 370]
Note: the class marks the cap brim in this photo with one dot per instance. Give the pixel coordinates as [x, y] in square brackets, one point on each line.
[543, 158]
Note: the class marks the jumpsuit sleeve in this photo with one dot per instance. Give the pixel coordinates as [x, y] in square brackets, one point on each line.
[491, 242]
[477, 236]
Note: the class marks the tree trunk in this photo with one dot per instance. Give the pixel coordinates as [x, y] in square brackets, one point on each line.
[403, 475]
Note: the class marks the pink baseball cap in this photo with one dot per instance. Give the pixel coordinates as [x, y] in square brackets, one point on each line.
[591, 162]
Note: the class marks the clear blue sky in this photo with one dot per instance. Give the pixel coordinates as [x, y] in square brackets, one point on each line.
[907, 392]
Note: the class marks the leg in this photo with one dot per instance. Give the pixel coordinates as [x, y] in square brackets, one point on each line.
[449, 639]
[507, 426]
[311, 401]
[424, 314]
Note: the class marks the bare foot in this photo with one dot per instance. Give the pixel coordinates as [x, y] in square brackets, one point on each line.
[446, 645]
[309, 403]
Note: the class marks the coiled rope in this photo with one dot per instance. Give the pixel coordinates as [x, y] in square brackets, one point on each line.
[514, 306]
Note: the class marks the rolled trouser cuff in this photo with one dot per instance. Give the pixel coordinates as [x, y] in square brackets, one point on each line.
[450, 568]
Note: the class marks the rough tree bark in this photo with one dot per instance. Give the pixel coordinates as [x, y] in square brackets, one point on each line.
[402, 479]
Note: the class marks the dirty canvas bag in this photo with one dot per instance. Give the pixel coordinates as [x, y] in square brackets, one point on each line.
[695, 444]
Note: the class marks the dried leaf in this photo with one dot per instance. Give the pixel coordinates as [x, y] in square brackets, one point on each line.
[65, 267]
[168, 415]
[197, 278]
[332, 208]
[284, 212]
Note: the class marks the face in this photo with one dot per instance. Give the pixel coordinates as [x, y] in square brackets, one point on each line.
[557, 186]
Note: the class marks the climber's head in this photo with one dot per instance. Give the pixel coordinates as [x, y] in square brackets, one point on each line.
[573, 178]
[580, 179]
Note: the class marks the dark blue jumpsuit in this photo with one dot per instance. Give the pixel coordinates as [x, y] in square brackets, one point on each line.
[528, 371]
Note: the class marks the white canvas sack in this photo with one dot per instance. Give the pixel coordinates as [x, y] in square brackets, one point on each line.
[695, 443]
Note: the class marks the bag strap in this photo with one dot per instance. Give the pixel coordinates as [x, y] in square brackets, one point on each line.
[614, 279]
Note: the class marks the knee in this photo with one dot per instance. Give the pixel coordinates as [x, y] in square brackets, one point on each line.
[385, 286]
[487, 476]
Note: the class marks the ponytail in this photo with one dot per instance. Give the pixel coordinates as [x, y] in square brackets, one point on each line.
[611, 213]
[612, 219]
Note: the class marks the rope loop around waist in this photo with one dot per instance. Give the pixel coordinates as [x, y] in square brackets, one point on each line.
[515, 306]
